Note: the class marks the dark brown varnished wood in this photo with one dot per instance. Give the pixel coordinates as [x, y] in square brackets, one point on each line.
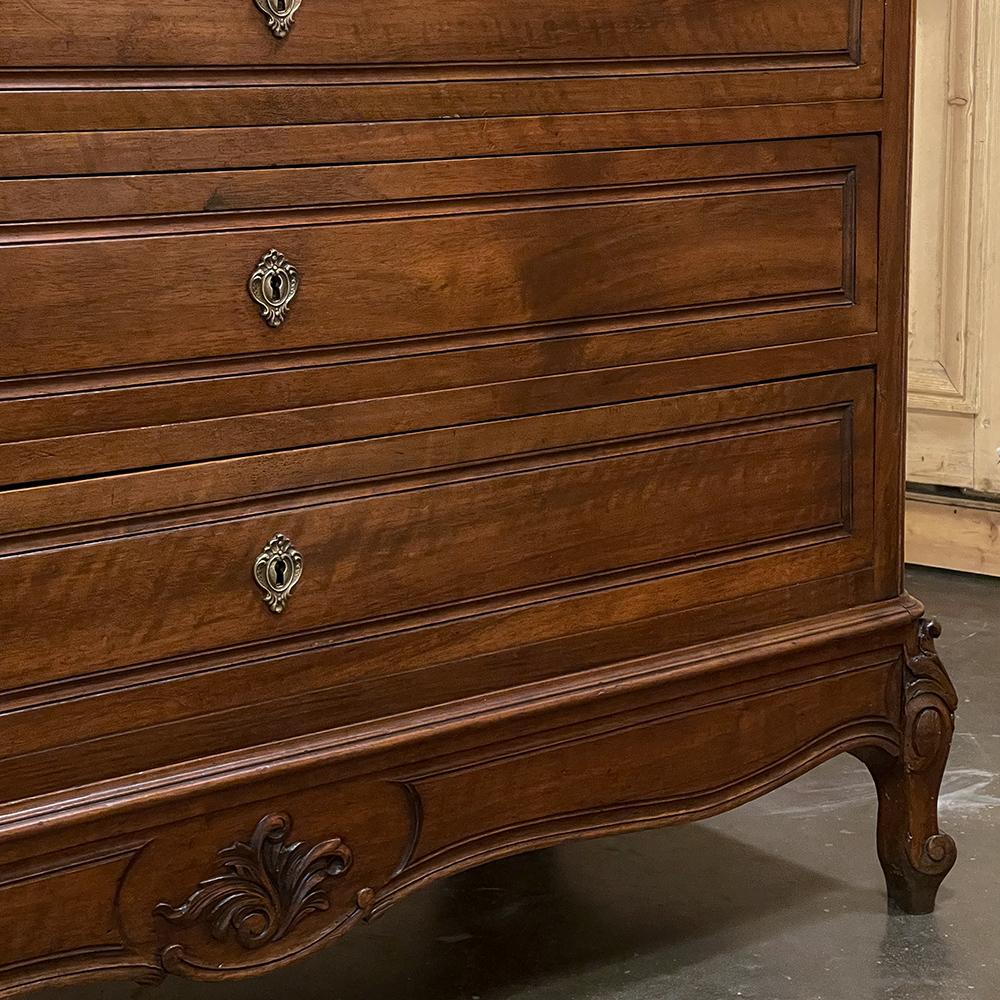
[507, 481]
[198, 64]
[473, 33]
[393, 800]
[236, 99]
[375, 273]
[35, 154]
[579, 505]
[915, 855]
[586, 422]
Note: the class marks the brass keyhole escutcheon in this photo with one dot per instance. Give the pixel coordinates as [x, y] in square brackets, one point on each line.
[273, 285]
[279, 14]
[277, 570]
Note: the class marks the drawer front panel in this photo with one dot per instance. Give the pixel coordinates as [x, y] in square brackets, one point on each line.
[628, 494]
[189, 64]
[127, 302]
[771, 233]
[70, 33]
[407, 278]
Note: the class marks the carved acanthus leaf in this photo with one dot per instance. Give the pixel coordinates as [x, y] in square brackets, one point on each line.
[266, 886]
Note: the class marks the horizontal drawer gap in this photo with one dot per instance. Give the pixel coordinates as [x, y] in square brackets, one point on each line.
[67, 383]
[374, 212]
[211, 77]
[486, 468]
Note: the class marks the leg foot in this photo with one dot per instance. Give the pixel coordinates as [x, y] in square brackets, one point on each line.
[915, 855]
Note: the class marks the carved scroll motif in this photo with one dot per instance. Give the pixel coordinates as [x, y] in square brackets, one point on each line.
[266, 887]
[929, 722]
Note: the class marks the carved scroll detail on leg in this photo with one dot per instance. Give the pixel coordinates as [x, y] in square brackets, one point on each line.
[915, 855]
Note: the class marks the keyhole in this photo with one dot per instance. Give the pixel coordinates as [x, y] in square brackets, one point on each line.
[279, 6]
[279, 572]
[276, 287]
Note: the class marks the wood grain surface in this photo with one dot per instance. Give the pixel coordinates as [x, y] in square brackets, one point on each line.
[585, 423]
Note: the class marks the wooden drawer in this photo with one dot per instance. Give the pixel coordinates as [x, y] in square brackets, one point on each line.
[69, 33]
[351, 61]
[534, 260]
[501, 271]
[422, 550]
[571, 501]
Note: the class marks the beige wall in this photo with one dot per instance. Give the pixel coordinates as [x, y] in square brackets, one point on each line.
[954, 379]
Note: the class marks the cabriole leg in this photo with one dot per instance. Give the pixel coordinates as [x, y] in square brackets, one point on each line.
[915, 855]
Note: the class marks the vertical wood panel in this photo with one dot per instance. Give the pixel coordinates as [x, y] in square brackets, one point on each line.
[954, 373]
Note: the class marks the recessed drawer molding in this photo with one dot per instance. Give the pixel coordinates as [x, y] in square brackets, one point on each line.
[610, 242]
[399, 34]
[406, 530]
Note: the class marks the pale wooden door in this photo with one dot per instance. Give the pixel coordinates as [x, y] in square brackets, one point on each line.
[954, 375]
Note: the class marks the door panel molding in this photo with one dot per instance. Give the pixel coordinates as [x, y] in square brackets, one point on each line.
[954, 375]
[954, 386]
[947, 244]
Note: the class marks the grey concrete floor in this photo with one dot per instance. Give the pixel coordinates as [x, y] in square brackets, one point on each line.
[781, 900]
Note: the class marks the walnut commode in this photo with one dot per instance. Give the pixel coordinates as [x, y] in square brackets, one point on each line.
[432, 430]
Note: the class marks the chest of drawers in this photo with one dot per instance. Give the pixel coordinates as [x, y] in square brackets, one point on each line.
[434, 430]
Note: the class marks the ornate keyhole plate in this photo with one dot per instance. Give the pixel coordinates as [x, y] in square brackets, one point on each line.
[279, 14]
[273, 286]
[277, 570]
